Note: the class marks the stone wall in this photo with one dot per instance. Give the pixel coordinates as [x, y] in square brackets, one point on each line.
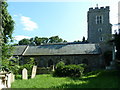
[94, 35]
[93, 61]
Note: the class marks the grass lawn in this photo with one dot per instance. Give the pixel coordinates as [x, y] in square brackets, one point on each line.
[96, 79]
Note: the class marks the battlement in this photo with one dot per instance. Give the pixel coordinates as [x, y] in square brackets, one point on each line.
[99, 8]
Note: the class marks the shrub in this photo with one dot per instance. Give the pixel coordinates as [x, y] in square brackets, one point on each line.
[85, 66]
[60, 64]
[44, 70]
[69, 70]
[30, 63]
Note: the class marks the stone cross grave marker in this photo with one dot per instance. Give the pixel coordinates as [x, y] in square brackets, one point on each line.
[34, 71]
[24, 74]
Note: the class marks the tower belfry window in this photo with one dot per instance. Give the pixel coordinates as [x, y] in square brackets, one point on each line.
[99, 29]
[101, 38]
[99, 19]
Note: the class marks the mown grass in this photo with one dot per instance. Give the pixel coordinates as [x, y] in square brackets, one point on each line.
[96, 79]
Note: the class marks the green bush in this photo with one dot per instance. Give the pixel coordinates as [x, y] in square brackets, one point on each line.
[44, 70]
[60, 64]
[68, 71]
[29, 65]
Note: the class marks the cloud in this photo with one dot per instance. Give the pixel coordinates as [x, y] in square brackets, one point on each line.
[20, 37]
[28, 24]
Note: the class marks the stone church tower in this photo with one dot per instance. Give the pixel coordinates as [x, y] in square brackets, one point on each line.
[99, 27]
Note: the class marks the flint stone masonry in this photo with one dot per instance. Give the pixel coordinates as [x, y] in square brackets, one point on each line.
[94, 35]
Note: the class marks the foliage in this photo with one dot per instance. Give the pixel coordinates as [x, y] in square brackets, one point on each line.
[8, 62]
[44, 70]
[60, 64]
[41, 40]
[83, 40]
[55, 39]
[68, 70]
[95, 79]
[85, 66]
[6, 32]
[117, 44]
[108, 57]
[28, 65]
[7, 23]
[24, 42]
[77, 41]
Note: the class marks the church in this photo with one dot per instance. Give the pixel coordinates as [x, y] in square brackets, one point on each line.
[99, 32]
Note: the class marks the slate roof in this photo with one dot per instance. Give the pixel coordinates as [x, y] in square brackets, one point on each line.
[60, 49]
[19, 49]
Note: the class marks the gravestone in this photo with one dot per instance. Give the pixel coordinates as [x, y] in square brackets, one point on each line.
[24, 74]
[34, 71]
[3, 80]
[53, 68]
[9, 80]
[12, 77]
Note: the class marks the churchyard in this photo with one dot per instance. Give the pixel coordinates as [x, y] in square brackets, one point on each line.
[95, 79]
[63, 76]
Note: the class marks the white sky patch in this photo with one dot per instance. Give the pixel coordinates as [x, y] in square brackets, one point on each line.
[15, 15]
[28, 24]
[20, 37]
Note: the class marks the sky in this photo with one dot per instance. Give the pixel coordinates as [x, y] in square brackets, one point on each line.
[67, 19]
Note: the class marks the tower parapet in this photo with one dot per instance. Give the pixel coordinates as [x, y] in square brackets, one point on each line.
[98, 8]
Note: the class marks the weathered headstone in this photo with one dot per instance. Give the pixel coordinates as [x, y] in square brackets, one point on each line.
[3, 80]
[9, 80]
[12, 77]
[34, 71]
[53, 68]
[24, 74]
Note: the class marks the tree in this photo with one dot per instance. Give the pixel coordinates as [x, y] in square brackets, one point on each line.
[41, 40]
[77, 41]
[37, 40]
[117, 44]
[83, 40]
[7, 27]
[7, 23]
[55, 39]
[24, 42]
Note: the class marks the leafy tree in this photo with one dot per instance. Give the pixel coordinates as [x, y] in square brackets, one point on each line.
[7, 27]
[117, 44]
[28, 64]
[55, 39]
[41, 40]
[38, 41]
[77, 41]
[108, 57]
[83, 40]
[7, 23]
[24, 42]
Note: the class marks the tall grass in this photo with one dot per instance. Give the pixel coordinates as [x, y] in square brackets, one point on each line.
[96, 79]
